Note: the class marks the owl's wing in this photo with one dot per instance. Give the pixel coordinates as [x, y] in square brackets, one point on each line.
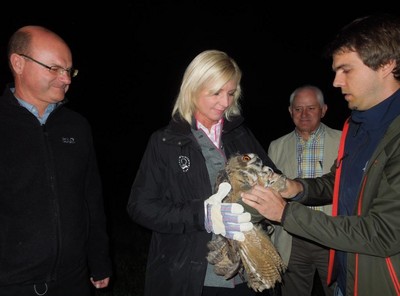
[224, 256]
[263, 264]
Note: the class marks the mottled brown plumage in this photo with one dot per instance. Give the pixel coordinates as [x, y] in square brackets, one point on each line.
[256, 256]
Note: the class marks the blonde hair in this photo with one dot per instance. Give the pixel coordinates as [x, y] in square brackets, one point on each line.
[210, 69]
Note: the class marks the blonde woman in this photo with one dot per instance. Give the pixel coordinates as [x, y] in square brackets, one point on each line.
[177, 175]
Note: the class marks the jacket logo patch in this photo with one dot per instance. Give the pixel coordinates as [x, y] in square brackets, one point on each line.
[66, 140]
[184, 163]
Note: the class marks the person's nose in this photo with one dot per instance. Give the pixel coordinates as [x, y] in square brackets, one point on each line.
[338, 80]
[304, 112]
[225, 100]
[65, 77]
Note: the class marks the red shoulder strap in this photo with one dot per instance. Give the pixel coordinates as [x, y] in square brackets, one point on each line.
[335, 201]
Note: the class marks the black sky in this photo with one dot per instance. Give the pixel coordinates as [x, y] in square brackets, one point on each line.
[132, 54]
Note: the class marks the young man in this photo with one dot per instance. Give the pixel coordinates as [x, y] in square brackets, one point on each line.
[364, 231]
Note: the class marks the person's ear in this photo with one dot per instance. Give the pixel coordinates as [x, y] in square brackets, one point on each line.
[290, 111]
[388, 67]
[324, 109]
[17, 63]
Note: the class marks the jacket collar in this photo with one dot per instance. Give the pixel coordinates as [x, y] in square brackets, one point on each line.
[8, 96]
[179, 125]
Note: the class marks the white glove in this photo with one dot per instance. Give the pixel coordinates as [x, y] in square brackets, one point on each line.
[227, 219]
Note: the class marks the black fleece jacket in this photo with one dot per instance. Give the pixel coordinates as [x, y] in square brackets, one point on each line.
[52, 216]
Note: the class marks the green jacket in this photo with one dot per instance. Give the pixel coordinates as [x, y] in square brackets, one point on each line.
[372, 235]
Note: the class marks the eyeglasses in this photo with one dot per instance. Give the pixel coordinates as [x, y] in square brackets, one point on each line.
[72, 72]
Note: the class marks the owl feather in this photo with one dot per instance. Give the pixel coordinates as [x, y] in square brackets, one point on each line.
[255, 257]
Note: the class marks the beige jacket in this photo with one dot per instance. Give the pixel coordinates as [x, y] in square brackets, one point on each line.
[282, 152]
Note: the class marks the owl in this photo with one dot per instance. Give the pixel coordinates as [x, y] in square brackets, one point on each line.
[256, 256]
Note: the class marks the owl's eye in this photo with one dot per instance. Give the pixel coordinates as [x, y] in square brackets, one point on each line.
[246, 157]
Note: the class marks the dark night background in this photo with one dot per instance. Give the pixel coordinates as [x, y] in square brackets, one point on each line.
[131, 56]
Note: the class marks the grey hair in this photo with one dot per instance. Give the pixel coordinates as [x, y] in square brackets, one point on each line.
[316, 90]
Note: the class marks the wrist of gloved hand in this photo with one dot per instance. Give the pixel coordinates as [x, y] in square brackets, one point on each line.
[227, 219]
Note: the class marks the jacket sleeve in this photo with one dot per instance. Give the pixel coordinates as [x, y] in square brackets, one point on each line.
[372, 231]
[317, 191]
[165, 199]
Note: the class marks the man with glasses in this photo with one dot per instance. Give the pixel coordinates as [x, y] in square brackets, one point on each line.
[53, 238]
[71, 72]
